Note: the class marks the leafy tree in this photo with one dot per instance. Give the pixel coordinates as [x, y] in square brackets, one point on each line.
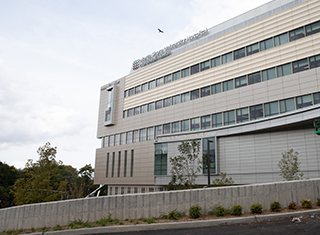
[85, 180]
[289, 166]
[223, 181]
[187, 165]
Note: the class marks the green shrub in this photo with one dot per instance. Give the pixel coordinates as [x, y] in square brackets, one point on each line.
[220, 211]
[194, 211]
[174, 214]
[318, 201]
[224, 181]
[292, 205]
[306, 203]
[236, 210]
[256, 208]
[275, 206]
[58, 227]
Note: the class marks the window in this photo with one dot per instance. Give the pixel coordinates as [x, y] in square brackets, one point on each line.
[256, 112]
[296, 34]
[159, 81]
[228, 118]
[107, 168]
[115, 190]
[194, 94]
[122, 190]
[158, 130]
[167, 102]
[185, 73]
[119, 163]
[160, 159]
[129, 137]
[130, 112]
[144, 108]
[176, 76]
[150, 133]
[152, 84]
[210, 153]
[205, 65]
[254, 78]
[126, 94]
[205, 91]
[185, 125]
[135, 136]
[313, 28]
[176, 99]
[239, 53]
[300, 65]
[217, 120]
[112, 170]
[135, 190]
[167, 78]
[159, 104]
[215, 62]
[124, 113]
[144, 87]
[316, 98]
[314, 61]
[281, 39]
[131, 168]
[284, 70]
[227, 58]
[111, 140]
[287, 105]
[241, 81]
[122, 138]
[138, 89]
[128, 190]
[228, 85]
[254, 48]
[175, 127]
[268, 74]
[166, 128]
[106, 142]
[151, 106]
[131, 92]
[266, 44]
[142, 134]
[195, 124]
[271, 109]
[195, 69]
[242, 115]
[185, 97]
[303, 101]
[216, 88]
[136, 110]
[206, 122]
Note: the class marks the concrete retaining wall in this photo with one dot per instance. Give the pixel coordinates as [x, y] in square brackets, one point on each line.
[147, 205]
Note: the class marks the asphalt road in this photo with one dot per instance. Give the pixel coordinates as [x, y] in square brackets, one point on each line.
[308, 225]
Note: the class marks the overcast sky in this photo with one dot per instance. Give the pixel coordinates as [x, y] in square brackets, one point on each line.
[56, 54]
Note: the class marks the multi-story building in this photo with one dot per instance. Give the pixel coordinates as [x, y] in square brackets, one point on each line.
[248, 89]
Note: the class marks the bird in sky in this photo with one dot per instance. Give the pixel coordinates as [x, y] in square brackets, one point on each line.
[160, 31]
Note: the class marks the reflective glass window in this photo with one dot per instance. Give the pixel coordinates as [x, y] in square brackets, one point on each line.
[167, 78]
[167, 102]
[266, 44]
[126, 93]
[175, 127]
[185, 125]
[159, 104]
[281, 39]
[166, 128]
[217, 120]
[271, 109]
[227, 58]
[160, 159]
[122, 138]
[152, 84]
[316, 98]
[129, 137]
[185, 97]
[135, 136]
[205, 91]
[176, 99]
[314, 61]
[254, 48]
[130, 112]
[229, 118]
[256, 112]
[106, 141]
[195, 124]
[239, 53]
[116, 140]
[131, 91]
[159, 81]
[215, 62]
[111, 140]
[228, 85]
[284, 70]
[136, 110]
[205, 65]
[151, 106]
[268, 74]
[185, 72]
[241, 81]
[287, 105]
[216, 88]
[137, 89]
[144, 87]
[242, 115]
[254, 78]
[194, 94]
[143, 134]
[144, 108]
[300, 65]
[158, 130]
[206, 122]
[124, 113]
[313, 28]
[176, 76]
[296, 34]
[303, 101]
[194, 69]
[150, 133]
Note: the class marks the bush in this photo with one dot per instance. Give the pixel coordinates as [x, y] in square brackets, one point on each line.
[194, 211]
[306, 203]
[256, 208]
[236, 210]
[292, 205]
[175, 214]
[220, 211]
[318, 201]
[224, 181]
[275, 206]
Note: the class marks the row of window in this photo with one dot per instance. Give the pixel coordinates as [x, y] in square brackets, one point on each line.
[119, 164]
[214, 120]
[131, 190]
[264, 75]
[228, 57]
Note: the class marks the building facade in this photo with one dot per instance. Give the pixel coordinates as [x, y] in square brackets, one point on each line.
[248, 89]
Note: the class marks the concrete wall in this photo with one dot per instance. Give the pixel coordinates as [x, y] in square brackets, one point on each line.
[153, 204]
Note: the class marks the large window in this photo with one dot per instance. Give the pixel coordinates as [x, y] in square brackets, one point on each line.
[304, 101]
[195, 124]
[116, 140]
[143, 135]
[287, 105]
[296, 34]
[208, 151]
[144, 87]
[131, 91]
[271, 109]
[167, 78]
[216, 88]
[176, 99]
[316, 98]
[216, 120]
[185, 125]
[228, 85]
[167, 102]
[130, 112]
[123, 138]
[185, 72]
[152, 84]
[194, 69]
[266, 44]
[150, 133]
[158, 130]
[166, 128]
[205, 91]
[136, 110]
[138, 89]
[281, 39]
[111, 140]
[268, 74]
[314, 61]
[135, 136]
[159, 81]
[129, 137]
[256, 112]
[227, 58]
[160, 159]
[254, 78]
[144, 108]
[284, 70]
[242, 115]
[229, 118]
[215, 62]
[151, 106]
[175, 127]
[194, 94]
[300, 65]
[176, 76]
[241, 81]
[239, 53]
[254, 48]
[185, 97]
[313, 28]
[205, 65]
[206, 122]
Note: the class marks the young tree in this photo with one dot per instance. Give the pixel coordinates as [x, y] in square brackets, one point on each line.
[187, 165]
[289, 166]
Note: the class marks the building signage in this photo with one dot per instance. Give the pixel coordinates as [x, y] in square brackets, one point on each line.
[155, 56]
[186, 137]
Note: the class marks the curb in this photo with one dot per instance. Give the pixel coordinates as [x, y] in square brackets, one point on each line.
[178, 225]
